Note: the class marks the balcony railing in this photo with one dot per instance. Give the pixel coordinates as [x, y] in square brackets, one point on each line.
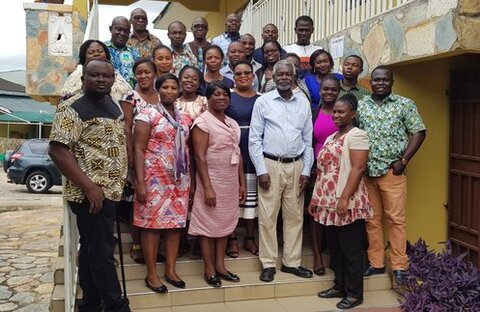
[70, 232]
[329, 16]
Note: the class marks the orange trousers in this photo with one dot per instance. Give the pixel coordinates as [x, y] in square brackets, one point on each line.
[388, 196]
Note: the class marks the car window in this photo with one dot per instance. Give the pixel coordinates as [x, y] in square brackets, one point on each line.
[38, 148]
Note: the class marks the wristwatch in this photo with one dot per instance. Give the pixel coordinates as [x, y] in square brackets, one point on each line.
[404, 161]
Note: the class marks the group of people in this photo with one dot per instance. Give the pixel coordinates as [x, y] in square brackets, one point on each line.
[206, 133]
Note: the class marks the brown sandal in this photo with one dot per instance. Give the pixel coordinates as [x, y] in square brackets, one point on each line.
[252, 247]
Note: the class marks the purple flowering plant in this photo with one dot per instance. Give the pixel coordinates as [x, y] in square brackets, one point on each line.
[440, 282]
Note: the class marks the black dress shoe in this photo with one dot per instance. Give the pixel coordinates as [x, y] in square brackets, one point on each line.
[331, 293]
[161, 289]
[400, 276]
[213, 281]
[298, 271]
[178, 284]
[229, 277]
[372, 270]
[267, 274]
[349, 302]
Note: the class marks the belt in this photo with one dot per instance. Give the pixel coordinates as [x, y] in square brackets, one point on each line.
[283, 159]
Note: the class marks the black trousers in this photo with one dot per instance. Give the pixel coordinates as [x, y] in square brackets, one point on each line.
[96, 268]
[346, 256]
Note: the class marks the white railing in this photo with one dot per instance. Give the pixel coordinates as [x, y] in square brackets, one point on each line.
[70, 231]
[329, 16]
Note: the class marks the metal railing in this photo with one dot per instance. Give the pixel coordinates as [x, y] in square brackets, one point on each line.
[70, 231]
[329, 16]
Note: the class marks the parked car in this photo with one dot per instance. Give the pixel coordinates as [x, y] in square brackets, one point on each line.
[31, 165]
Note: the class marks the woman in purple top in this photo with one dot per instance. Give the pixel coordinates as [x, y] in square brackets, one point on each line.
[323, 127]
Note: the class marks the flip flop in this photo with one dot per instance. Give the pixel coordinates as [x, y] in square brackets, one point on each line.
[232, 241]
[253, 250]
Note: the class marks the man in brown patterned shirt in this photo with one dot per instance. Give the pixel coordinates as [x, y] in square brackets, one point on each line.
[141, 38]
[88, 145]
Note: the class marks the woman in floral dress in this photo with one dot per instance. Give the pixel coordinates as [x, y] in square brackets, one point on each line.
[163, 180]
[340, 202]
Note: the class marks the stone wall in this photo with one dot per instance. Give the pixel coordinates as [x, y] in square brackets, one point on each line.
[420, 29]
[46, 70]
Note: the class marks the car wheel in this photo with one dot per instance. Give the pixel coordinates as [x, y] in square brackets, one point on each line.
[38, 182]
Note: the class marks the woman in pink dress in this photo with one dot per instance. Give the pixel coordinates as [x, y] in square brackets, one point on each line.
[220, 182]
[340, 202]
[163, 181]
[323, 127]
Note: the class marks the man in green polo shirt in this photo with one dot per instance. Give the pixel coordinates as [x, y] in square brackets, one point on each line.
[396, 132]
[352, 68]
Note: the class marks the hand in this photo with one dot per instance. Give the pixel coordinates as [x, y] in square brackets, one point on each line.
[398, 168]
[141, 193]
[242, 194]
[303, 182]
[95, 197]
[264, 181]
[342, 205]
[210, 197]
[312, 209]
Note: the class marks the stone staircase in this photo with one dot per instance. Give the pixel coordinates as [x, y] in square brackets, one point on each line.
[198, 292]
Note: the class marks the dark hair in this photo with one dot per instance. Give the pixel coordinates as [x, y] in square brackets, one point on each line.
[291, 54]
[355, 56]
[214, 47]
[160, 80]
[214, 85]
[145, 60]
[243, 62]
[303, 18]
[82, 54]
[331, 77]
[352, 101]
[160, 47]
[382, 67]
[275, 42]
[197, 71]
[318, 52]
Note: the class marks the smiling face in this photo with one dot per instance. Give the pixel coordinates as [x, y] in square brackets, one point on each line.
[329, 91]
[98, 77]
[284, 77]
[219, 100]
[120, 31]
[271, 53]
[351, 68]
[163, 60]
[342, 114]
[95, 51]
[381, 82]
[145, 75]
[233, 23]
[213, 60]
[236, 52]
[139, 20]
[321, 64]
[248, 44]
[190, 81]
[168, 91]
[243, 77]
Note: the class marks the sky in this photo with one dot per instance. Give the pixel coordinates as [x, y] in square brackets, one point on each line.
[12, 16]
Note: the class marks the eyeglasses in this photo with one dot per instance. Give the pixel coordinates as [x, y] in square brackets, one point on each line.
[270, 51]
[200, 26]
[245, 73]
[140, 17]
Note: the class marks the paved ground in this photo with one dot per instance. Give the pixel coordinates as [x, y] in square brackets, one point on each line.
[29, 236]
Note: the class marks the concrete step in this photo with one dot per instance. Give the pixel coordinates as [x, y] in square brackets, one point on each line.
[250, 288]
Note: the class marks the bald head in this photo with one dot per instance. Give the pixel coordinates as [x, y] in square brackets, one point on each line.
[199, 29]
[97, 77]
[177, 32]
[139, 20]
[120, 30]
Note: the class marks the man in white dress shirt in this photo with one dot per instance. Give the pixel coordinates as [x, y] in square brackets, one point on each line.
[280, 146]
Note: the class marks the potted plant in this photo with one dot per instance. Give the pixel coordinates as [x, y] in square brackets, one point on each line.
[440, 281]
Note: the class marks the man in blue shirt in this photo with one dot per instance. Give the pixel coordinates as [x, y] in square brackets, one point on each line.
[231, 34]
[122, 55]
[280, 146]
